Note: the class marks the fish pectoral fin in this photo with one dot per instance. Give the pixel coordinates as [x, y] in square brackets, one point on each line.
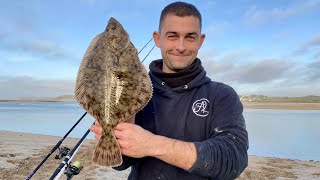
[107, 151]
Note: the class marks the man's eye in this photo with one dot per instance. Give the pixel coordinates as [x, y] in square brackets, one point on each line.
[191, 37]
[172, 36]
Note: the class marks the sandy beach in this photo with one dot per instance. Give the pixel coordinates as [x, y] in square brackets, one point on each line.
[20, 153]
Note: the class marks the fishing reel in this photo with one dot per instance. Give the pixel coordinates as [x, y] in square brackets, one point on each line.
[73, 169]
[62, 152]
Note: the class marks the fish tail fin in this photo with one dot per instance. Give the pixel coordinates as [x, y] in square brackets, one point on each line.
[107, 151]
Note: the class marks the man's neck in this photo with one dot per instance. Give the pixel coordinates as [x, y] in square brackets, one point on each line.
[179, 78]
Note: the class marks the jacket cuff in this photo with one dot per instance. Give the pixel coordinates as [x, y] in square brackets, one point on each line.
[200, 165]
[127, 162]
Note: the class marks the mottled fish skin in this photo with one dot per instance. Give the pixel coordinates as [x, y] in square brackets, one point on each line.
[112, 85]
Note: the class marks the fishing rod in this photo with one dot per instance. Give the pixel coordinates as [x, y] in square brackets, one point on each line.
[66, 162]
[54, 148]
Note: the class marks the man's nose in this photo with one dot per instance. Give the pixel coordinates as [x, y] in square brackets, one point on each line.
[180, 45]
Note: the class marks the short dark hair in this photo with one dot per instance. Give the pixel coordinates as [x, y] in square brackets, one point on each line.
[180, 9]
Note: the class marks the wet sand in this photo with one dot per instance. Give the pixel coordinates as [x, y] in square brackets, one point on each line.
[20, 153]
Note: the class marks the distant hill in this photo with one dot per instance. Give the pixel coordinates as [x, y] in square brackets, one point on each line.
[251, 98]
[65, 98]
[262, 98]
[43, 99]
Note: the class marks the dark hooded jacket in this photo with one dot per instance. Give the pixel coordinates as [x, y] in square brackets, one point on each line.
[194, 109]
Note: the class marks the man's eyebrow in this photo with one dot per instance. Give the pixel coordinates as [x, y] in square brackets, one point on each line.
[192, 33]
[188, 34]
[171, 32]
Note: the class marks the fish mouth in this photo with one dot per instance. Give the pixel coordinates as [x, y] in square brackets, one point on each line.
[113, 30]
[112, 24]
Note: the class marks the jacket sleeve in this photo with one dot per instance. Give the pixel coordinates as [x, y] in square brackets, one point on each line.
[127, 162]
[224, 154]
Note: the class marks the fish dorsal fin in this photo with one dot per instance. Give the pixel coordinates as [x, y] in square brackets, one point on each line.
[81, 78]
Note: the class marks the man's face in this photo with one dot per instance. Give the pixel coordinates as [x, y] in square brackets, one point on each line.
[179, 40]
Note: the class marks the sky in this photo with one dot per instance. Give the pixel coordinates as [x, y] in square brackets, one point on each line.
[267, 48]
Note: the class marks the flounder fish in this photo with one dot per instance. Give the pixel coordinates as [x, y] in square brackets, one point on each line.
[112, 85]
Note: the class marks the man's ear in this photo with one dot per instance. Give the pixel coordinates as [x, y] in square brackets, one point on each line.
[202, 37]
[156, 38]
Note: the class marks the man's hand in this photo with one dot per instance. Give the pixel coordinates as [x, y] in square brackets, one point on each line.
[134, 141]
[137, 142]
[96, 128]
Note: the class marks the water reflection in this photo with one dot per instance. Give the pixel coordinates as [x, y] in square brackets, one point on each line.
[284, 133]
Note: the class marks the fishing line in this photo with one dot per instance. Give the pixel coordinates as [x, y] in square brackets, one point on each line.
[145, 45]
[148, 54]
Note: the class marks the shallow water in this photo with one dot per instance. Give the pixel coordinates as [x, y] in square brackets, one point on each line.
[50, 118]
[290, 134]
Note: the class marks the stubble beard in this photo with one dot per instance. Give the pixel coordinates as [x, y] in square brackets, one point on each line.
[174, 66]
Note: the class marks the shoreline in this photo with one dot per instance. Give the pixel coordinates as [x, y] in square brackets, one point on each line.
[20, 153]
[281, 106]
[246, 105]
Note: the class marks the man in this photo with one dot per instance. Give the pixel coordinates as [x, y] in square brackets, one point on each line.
[193, 127]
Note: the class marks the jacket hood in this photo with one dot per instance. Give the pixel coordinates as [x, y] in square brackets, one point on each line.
[162, 87]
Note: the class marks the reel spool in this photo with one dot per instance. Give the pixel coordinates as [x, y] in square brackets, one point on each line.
[62, 152]
[73, 169]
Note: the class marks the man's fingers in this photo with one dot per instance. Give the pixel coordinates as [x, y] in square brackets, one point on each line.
[97, 136]
[123, 144]
[130, 120]
[97, 123]
[120, 135]
[122, 126]
[92, 129]
[96, 130]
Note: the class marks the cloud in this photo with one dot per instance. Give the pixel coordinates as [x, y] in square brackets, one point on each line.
[298, 80]
[279, 89]
[26, 86]
[317, 55]
[24, 35]
[3, 34]
[217, 29]
[40, 48]
[279, 36]
[310, 45]
[224, 64]
[313, 70]
[251, 72]
[215, 67]
[255, 16]
[209, 53]
[20, 58]
[271, 77]
[47, 48]
[261, 71]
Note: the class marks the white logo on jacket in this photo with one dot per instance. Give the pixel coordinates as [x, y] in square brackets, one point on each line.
[199, 107]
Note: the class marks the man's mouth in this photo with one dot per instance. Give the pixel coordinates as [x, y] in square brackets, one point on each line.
[179, 54]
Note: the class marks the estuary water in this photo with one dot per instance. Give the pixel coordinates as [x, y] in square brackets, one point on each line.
[292, 134]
